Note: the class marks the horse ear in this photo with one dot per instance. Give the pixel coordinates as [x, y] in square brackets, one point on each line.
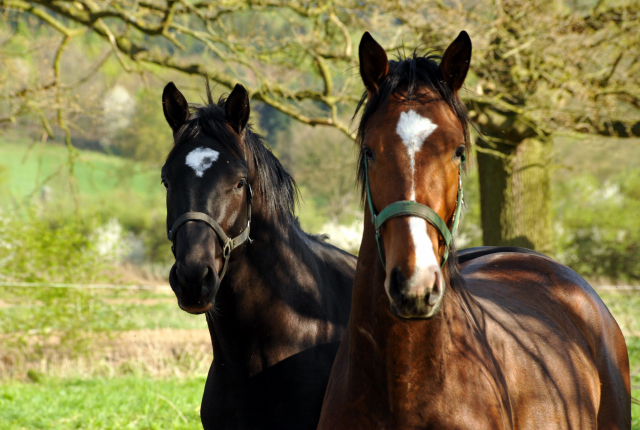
[175, 107]
[374, 65]
[237, 108]
[455, 61]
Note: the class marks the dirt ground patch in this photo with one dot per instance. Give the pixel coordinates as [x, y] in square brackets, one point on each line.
[139, 302]
[135, 341]
[161, 352]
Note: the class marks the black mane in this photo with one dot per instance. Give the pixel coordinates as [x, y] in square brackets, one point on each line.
[407, 79]
[277, 189]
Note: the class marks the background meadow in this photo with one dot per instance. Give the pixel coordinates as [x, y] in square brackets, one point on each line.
[90, 334]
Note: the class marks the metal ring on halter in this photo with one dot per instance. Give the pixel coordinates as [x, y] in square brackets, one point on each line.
[227, 249]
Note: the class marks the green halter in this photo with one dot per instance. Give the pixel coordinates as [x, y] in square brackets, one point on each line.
[410, 208]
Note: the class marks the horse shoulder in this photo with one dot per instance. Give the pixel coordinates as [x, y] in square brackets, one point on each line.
[534, 286]
[543, 320]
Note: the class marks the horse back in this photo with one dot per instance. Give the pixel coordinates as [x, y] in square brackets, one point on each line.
[553, 339]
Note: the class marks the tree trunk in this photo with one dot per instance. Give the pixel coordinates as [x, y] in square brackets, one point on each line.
[515, 198]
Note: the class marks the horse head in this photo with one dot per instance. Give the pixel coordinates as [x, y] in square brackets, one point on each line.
[413, 139]
[207, 178]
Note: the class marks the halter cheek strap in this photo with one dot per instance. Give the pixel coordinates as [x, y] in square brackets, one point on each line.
[411, 208]
[227, 243]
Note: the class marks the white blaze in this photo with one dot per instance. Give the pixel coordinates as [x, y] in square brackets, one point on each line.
[413, 129]
[426, 264]
[200, 159]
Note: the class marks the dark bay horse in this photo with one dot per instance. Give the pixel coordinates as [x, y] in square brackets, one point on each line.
[276, 299]
[507, 340]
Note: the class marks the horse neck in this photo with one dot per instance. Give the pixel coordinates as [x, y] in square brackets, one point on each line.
[390, 349]
[258, 296]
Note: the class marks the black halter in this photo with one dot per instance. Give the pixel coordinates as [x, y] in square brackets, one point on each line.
[228, 244]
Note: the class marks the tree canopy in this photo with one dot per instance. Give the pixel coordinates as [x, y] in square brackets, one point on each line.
[539, 68]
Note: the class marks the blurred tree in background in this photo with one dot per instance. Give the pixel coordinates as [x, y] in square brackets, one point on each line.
[539, 68]
[145, 139]
[290, 55]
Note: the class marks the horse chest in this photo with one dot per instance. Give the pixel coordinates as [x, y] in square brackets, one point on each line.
[466, 398]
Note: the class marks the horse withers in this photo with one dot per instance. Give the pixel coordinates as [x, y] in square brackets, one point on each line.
[276, 299]
[507, 340]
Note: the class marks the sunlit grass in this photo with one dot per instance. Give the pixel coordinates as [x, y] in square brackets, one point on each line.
[96, 175]
[625, 307]
[119, 403]
[633, 346]
[132, 316]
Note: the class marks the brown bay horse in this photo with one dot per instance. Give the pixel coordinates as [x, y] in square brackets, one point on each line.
[276, 299]
[503, 340]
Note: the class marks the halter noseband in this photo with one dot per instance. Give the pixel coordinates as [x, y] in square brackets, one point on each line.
[228, 244]
[411, 208]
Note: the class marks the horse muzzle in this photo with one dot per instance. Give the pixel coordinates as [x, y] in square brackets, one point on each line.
[195, 286]
[418, 297]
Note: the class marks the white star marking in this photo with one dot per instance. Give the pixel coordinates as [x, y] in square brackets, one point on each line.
[200, 159]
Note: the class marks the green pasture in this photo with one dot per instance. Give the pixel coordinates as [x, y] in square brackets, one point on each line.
[98, 403]
[26, 167]
[38, 177]
[37, 183]
[139, 401]
[113, 187]
[135, 310]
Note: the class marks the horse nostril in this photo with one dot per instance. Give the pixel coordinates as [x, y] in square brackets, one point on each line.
[192, 274]
[432, 298]
[434, 295]
[208, 277]
[399, 278]
[396, 285]
[180, 275]
[207, 282]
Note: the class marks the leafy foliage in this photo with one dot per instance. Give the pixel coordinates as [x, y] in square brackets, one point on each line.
[147, 138]
[599, 226]
[313, 153]
[37, 249]
[41, 250]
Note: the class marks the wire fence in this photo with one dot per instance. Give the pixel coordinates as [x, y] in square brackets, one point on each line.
[617, 288]
[85, 286]
[168, 288]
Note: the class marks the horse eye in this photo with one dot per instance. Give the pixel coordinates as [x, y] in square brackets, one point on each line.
[240, 184]
[460, 151]
[368, 152]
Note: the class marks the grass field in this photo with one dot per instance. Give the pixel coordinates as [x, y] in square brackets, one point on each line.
[99, 403]
[98, 176]
[137, 310]
[152, 374]
[149, 372]
[105, 187]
